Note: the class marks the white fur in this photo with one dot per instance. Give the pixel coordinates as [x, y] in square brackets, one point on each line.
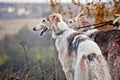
[117, 20]
[71, 61]
[61, 45]
[71, 64]
[89, 32]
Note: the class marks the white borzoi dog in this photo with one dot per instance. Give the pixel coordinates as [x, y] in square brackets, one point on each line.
[81, 58]
[80, 21]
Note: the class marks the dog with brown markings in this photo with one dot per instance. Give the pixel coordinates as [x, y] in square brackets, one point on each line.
[80, 57]
[108, 41]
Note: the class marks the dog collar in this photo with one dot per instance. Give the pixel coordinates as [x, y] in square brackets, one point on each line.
[60, 32]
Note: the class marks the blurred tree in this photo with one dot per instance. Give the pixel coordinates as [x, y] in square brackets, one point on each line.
[97, 9]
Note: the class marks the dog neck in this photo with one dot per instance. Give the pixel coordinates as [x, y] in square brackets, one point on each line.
[59, 29]
[60, 32]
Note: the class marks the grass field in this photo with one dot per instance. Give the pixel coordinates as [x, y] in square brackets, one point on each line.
[11, 27]
[42, 57]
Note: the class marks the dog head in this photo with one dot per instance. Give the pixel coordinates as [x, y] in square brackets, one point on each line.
[43, 26]
[58, 26]
[78, 21]
[72, 22]
[53, 22]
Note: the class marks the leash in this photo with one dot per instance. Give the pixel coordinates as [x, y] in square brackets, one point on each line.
[97, 25]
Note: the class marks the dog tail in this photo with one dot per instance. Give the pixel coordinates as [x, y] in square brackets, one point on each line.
[93, 67]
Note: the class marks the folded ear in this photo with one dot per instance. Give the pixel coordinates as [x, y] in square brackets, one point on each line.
[82, 13]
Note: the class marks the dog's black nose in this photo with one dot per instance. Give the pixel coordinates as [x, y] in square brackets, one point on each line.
[34, 29]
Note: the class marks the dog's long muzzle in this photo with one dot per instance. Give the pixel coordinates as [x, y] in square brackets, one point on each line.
[42, 30]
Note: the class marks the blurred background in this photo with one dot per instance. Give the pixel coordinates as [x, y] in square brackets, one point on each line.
[24, 55]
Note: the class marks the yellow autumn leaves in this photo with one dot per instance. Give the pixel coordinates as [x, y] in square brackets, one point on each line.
[100, 11]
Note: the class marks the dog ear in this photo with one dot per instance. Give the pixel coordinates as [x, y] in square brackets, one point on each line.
[82, 13]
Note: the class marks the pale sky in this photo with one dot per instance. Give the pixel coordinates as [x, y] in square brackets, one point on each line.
[42, 1]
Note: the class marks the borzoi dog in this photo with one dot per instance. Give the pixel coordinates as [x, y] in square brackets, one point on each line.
[81, 58]
[105, 39]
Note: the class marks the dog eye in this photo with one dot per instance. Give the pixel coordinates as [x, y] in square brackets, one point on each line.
[53, 16]
[43, 20]
[70, 21]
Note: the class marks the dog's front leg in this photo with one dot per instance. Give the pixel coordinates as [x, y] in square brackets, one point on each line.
[68, 74]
